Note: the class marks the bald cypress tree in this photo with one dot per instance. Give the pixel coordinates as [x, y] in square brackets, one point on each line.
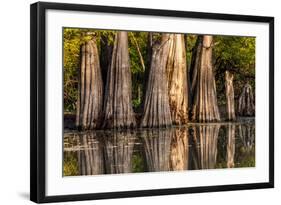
[118, 110]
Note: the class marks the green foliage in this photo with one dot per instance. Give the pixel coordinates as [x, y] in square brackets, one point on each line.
[70, 164]
[138, 163]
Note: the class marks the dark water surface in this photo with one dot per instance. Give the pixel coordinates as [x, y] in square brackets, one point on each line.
[193, 147]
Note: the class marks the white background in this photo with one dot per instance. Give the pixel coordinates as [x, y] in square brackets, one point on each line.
[14, 108]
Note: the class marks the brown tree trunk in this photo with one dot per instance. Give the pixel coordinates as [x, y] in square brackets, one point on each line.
[230, 133]
[118, 110]
[205, 108]
[179, 150]
[230, 107]
[177, 78]
[246, 106]
[90, 88]
[156, 105]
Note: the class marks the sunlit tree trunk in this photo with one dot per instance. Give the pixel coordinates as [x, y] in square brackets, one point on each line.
[230, 133]
[90, 157]
[177, 78]
[179, 150]
[118, 149]
[156, 105]
[203, 86]
[90, 88]
[230, 107]
[246, 105]
[157, 143]
[118, 110]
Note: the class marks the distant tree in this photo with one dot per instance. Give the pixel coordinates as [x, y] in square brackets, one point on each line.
[246, 106]
[229, 90]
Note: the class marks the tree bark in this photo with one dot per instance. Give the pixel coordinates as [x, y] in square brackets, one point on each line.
[90, 88]
[230, 107]
[118, 110]
[205, 108]
[177, 78]
[246, 105]
[156, 105]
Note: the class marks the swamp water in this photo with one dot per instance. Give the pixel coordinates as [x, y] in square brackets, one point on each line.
[192, 147]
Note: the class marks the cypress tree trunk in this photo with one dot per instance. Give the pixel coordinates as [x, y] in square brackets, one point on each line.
[118, 110]
[230, 133]
[230, 107]
[205, 108]
[177, 78]
[90, 88]
[179, 150]
[156, 105]
[246, 105]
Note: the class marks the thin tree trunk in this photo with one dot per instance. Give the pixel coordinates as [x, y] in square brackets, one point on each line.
[156, 105]
[177, 78]
[246, 105]
[90, 88]
[118, 110]
[230, 107]
[205, 108]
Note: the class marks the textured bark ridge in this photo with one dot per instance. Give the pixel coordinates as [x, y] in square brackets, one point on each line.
[156, 105]
[205, 155]
[230, 133]
[179, 150]
[118, 110]
[157, 143]
[230, 107]
[118, 152]
[177, 78]
[203, 85]
[90, 88]
[246, 106]
[90, 158]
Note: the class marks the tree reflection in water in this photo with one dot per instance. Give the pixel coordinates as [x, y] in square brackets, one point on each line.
[118, 151]
[199, 146]
[204, 149]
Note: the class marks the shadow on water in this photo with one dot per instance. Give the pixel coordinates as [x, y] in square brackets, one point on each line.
[193, 147]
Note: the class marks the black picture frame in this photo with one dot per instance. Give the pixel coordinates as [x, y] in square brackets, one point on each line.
[38, 103]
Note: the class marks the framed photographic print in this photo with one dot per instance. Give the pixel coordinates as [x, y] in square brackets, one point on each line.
[129, 102]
